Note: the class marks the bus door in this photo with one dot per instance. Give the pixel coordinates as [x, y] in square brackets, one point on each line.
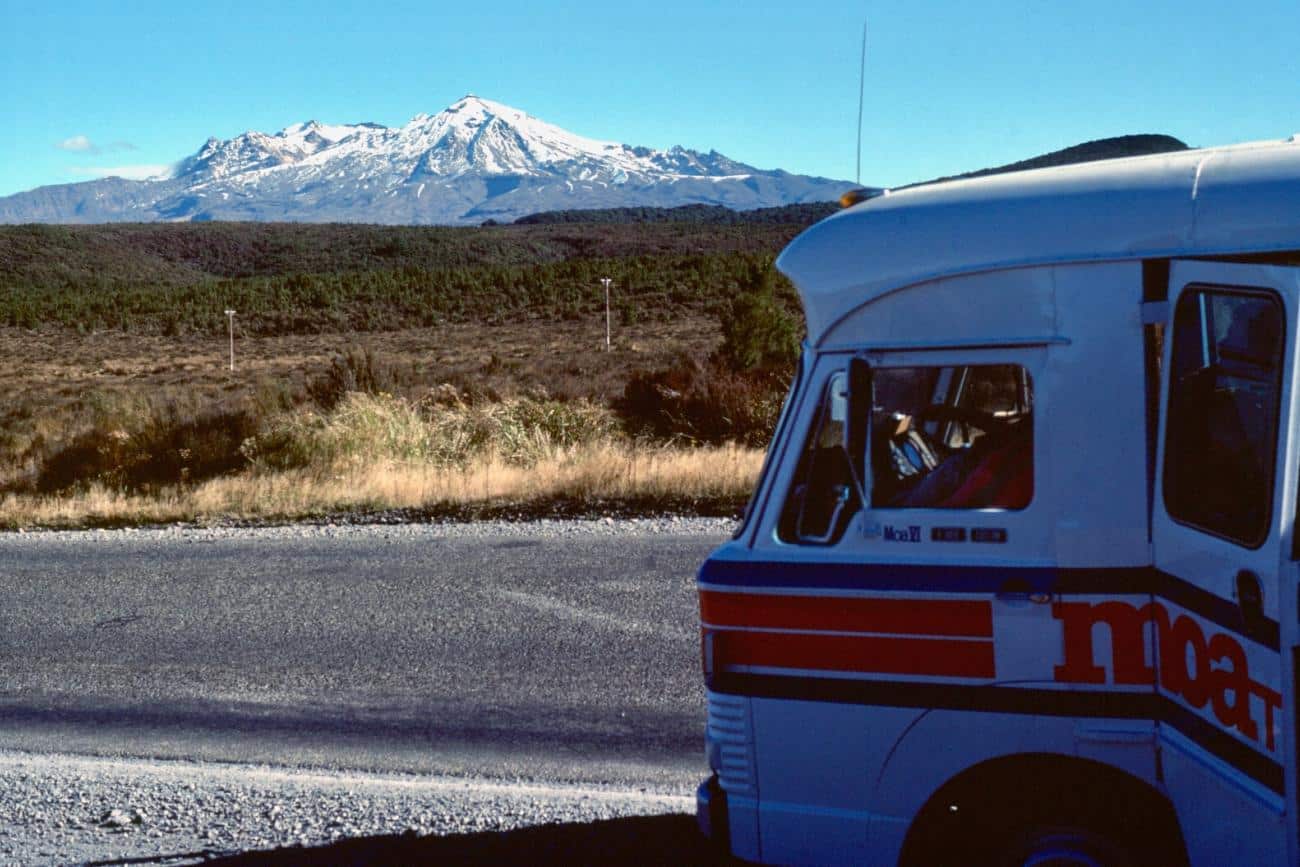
[1223, 615]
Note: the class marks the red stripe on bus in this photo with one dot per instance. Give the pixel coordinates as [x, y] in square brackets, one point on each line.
[854, 653]
[963, 618]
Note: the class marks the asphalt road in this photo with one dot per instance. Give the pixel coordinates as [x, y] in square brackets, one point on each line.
[543, 653]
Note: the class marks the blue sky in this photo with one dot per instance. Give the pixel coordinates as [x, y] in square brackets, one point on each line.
[90, 87]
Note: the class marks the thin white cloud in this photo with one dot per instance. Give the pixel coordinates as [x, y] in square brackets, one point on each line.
[77, 143]
[83, 144]
[131, 173]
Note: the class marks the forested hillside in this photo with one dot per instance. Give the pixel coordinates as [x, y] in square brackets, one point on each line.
[304, 279]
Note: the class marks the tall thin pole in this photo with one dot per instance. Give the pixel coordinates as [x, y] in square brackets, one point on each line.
[862, 86]
[606, 281]
[230, 314]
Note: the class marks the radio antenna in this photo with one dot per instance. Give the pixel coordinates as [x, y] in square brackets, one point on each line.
[862, 86]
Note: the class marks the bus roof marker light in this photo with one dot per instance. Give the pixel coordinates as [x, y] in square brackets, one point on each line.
[861, 194]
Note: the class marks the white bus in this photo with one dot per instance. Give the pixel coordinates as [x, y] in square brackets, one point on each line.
[1018, 584]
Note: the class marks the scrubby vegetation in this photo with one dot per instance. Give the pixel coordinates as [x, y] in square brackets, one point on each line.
[697, 401]
[378, 452]
[451, 379]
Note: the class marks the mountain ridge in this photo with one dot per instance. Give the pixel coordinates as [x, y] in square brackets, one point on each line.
[1096, 150]
[475, 160]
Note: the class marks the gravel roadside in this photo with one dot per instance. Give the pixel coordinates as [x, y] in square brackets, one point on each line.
[62, 809]
[343, 528]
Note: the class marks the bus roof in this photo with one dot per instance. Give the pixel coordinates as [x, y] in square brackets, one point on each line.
[1216, 201]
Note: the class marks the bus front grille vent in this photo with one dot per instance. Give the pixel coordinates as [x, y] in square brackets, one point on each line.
[730, 734]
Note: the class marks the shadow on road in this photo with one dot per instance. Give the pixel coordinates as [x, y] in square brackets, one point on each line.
[635, 840]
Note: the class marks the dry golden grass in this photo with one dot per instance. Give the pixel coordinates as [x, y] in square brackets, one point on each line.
[607, 470]
[57, 385]
[372, 429]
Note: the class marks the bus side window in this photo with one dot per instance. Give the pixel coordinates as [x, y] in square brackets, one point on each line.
[956, 437]
[1221, 435]
[822, 497]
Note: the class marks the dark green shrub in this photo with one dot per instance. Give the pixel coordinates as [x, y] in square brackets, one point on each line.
[758, 328]
[170, 448]
[355, 369]
[705, 402]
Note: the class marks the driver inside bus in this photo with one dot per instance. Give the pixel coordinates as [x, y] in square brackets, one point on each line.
[994, 471]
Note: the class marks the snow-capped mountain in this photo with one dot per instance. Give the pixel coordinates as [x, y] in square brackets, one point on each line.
[473, 161]
[257, 150]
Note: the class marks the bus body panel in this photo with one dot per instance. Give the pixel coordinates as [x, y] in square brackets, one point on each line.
[806, 816]
[865, 655]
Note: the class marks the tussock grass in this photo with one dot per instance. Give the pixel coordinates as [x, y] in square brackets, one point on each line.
[605, 470]
[367, 429]
[375, 452]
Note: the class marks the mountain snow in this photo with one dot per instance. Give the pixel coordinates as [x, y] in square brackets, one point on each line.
[476, 159]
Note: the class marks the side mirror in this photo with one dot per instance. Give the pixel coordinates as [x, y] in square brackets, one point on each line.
[857, 427]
